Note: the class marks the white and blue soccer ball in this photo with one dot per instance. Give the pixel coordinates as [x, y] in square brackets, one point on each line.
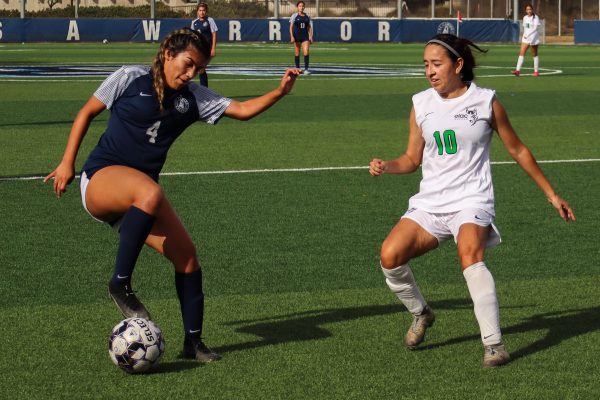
[135, 345]
[105, 41]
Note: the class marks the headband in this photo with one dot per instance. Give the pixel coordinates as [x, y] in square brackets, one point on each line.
[446, 45]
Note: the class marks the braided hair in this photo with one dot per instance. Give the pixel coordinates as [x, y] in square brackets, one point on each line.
[176, 42]
[462, 47]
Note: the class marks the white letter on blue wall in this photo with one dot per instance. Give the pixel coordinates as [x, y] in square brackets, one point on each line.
[274, 31]
[73, 33]
[151, 30]
[235, 31]
[346, 31]
[0, 30]
[383, 34]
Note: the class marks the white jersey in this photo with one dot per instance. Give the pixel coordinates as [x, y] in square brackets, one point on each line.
[530, 30]
[456, 158]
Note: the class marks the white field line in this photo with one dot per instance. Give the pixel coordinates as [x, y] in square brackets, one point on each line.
[271, 170]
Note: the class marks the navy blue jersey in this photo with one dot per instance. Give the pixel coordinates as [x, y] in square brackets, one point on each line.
[300, 25]
[205, 26]
[138, 134]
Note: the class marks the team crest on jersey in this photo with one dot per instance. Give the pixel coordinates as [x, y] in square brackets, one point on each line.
[182, 104]
[470, 114]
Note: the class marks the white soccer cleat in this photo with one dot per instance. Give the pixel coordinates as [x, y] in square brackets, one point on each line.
[495, 355]
[416, 332]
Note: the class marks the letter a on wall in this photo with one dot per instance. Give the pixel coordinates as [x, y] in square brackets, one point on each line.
[73, 33]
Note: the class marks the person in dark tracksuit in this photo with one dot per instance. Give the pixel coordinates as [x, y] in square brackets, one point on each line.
[301, 34]
[208, 28]
[150, 107]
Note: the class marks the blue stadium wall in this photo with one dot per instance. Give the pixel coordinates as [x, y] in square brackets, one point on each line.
[587, 32]
[252, 30]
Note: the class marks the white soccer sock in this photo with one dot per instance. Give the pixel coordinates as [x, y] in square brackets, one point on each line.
[401, 281]
[483, 293]
[520, 62]
[536, 63]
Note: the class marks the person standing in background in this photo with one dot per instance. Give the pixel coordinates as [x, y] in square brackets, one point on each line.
[208, 28]
[301, 34]
[531, 38]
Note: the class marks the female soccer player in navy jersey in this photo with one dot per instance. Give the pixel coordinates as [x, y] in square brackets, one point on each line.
[150, 108]
[208, 28]
[301, 34]
[450, 131]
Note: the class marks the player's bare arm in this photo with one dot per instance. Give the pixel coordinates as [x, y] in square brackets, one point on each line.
[523, 156]
[407, 162]
[65, 172]
[251, 108]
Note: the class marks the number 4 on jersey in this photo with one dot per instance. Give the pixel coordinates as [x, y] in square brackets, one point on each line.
[153, 132]
[449, 143]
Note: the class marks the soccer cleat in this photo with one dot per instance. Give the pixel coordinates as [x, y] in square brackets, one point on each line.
[306, 72]
[516, 72]
[195, 348]
[127, 302]
[536, 73]
[495, 355]
[416, 332]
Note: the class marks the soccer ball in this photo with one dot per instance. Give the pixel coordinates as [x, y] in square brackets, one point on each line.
[135, 345]
[105, 41]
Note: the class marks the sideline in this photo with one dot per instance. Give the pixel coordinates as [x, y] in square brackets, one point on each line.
[315, 169]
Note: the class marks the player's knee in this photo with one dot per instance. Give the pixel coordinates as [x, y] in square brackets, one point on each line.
[469, 256]
[150, 198]
[390, 256]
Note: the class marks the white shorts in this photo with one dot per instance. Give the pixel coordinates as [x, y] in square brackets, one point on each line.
[83, 188]
[533, 41]
[443, 226]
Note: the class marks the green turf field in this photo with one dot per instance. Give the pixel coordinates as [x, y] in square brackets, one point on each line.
[295, 300]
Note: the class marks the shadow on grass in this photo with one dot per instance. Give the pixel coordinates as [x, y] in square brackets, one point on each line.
[307, 325]
[164, 367]
[297, 327]
[559, 326]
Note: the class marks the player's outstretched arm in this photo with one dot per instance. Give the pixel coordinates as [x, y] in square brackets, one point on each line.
[244, 110]
[407, 162]
[523, 156]
[65, 172]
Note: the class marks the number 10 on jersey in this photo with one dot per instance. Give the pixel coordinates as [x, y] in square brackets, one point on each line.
[448, 144]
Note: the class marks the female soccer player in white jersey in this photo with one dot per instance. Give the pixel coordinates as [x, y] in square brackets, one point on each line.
[301, 35]
[450, 131]
[531, 37]
[150, 108]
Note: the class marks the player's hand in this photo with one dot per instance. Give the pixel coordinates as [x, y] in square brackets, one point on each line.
[62, 175]
[288, 80]
[563, 208]
[213, 53]
[377, 167]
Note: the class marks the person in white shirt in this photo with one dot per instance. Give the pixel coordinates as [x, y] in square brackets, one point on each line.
[450, 131]
[531, 38]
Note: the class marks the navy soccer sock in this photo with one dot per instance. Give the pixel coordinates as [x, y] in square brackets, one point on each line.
[191, 299]
[297, 61]
[306, 59]
[135, 228]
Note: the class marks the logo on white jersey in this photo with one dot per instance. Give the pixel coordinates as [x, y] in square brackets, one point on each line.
[182, 104]
[470, 114]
